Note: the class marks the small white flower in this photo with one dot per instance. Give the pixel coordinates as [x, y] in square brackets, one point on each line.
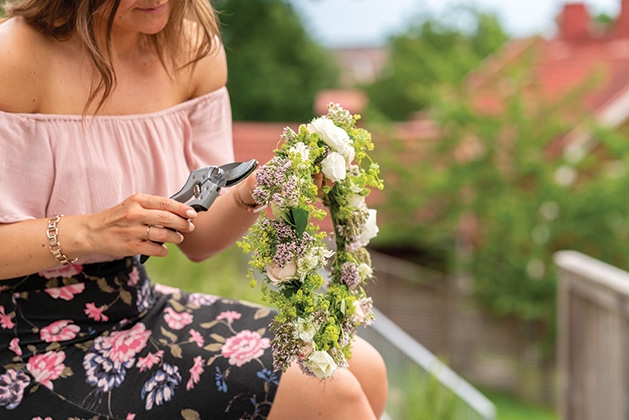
[370, 229]
[334, 136]
[306, 330]
[333, 167]
[357, 201]
[320, 364]
[365, 271]
[315, 257]
[302, 151]
[279, 275]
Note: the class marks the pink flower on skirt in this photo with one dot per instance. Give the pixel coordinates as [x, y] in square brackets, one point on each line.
[244, 347]
[66, 292]
[177, 320]
[46, 367]
[66, 271]
[60, 330]
[14, 346]
[229, 316]
[134, 277]
[195, 372]
[122, 346]
[196, 337]
[150, 360]
[6, 321]
[95, 313]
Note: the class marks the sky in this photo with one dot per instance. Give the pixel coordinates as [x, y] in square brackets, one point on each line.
[360, 23]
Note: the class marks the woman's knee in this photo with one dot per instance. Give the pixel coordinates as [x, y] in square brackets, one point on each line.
[369, 368]
[301, 396]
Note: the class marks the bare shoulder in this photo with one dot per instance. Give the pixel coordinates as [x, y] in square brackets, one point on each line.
[23, 54]
[210, 73]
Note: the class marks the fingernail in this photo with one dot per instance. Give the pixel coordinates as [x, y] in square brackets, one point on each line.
[181, 237]
[191, 213]
[191, 227]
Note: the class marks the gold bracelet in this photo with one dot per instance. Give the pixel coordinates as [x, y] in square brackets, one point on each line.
[53, 244]
[253, 208]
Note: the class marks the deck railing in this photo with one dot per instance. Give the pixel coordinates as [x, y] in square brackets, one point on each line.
[419, 383]
[593, 316]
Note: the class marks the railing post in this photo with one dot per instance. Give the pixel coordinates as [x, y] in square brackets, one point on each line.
[593, 338]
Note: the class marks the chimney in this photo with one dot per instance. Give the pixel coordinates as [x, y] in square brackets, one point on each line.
[574, 22]
[621, 28]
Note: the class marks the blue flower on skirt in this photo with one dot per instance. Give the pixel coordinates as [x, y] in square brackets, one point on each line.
[221, 385]
[161, 387]
[103, 373]
[145, 298]
[12, 385]
[268, 376]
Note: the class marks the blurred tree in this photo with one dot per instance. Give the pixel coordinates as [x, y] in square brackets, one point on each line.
[498, 206]
[275, 68]
[429, 54]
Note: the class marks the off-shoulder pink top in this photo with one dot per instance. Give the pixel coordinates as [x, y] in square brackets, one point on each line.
[68, 164]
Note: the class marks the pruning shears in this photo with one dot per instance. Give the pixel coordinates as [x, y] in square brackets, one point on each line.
[204, 185]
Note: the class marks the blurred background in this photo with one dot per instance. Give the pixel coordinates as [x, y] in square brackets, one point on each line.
[501, 131]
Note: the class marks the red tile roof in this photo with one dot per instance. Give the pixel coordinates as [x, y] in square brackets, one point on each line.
[577, 56]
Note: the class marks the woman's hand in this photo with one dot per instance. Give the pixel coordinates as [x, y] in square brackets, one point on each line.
[136, 225]
[321, 181]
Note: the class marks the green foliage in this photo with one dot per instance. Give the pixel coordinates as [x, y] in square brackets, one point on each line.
[275, 68]
[491, 196]
[223, 275]
[429, 54]
[509, 408]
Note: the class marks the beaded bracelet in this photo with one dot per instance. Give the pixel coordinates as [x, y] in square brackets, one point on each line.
[53, 244]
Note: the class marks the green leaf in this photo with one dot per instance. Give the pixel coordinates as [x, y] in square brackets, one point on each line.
[169, 334]
[213, 347]
[189, 414]
[300, 220]
[175, 350]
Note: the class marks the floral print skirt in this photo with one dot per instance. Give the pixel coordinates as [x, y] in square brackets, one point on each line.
[99, 341]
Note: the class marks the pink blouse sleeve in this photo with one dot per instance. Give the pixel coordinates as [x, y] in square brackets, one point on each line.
[211, 132]
[26, 171]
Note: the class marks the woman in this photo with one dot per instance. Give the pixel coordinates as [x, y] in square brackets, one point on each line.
[105, 107]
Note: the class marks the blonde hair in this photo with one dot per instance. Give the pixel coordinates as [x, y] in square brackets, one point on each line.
[63, 19]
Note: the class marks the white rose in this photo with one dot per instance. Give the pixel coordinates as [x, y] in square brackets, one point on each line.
[333, 167]
[279, 274]
[334, 136]
[370, 229]
[320, 364]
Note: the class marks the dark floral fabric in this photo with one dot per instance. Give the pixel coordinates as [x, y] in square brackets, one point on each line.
[99, 341]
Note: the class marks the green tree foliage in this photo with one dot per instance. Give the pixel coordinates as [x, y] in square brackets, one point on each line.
[490, 195]
[275, 68]
[429, 54]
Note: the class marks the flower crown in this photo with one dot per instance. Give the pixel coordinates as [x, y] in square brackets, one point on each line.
[316, 320]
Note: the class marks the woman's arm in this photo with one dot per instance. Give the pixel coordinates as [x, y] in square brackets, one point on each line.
[120, 231]
[223, 224]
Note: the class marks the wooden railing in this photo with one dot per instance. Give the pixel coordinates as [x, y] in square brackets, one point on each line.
[593, 315]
